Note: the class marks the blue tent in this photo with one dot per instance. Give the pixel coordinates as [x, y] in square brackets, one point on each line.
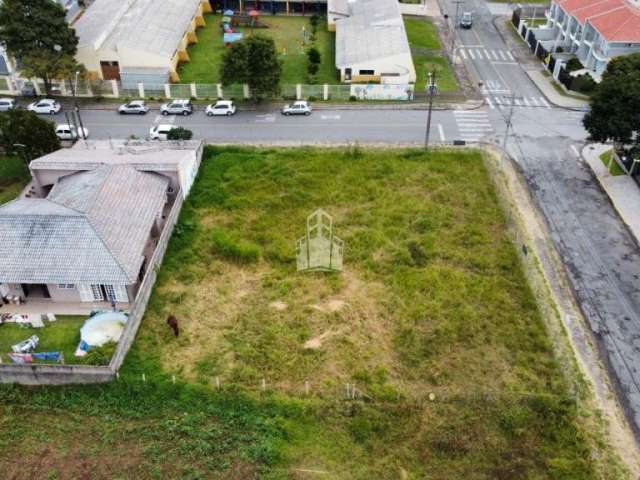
[232, 37]
[228, 13]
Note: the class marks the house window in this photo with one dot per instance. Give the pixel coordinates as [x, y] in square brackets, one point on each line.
[66, 286]
[97, 293]
[367, 72]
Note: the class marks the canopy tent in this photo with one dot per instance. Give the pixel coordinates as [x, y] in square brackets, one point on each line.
[100, 329]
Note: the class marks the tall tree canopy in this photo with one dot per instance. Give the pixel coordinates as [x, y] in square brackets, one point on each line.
[253, 61]
[615, 105]
[21, 127]
[36, 32]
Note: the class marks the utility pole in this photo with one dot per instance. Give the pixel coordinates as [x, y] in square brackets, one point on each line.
[509, 118]
[455, 25]
[76, 107]
[432, 90]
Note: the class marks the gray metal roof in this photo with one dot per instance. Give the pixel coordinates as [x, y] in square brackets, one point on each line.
[373, 30]
[146, 25]
[92, 228]
[143, 155]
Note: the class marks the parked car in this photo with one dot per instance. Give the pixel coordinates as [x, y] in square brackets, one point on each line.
[467, 20]
[45, 105]
[28, 90]
[160, 132]
[7, 104]
[298, 108]
[69, 132]
[221, 107]
[135, 107]
[177, 107]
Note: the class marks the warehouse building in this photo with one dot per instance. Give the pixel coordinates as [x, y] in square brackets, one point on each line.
[371, 42]
[138, 40]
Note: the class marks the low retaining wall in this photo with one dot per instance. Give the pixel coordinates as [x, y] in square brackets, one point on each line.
[43, 374]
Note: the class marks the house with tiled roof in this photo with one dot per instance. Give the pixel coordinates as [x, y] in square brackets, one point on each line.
[594, 30]
[86, 232]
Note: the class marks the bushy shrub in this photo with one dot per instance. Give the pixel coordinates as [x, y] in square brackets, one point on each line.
[314, 56]
[235, 250]
[180, 133]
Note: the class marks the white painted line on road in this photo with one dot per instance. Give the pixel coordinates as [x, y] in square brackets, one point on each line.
[502, 55]
[535, 102]
[462, 53]
[517, 102]
[511, 57]
[490, 103]
[486, 52]
[495, 55]
[441, 132]
[468, 112]
[157, 119]
[544, 102]
[504, 63]
[330, 117]
[473, 57]
[498, 100]
[575, 150]
[526, 102]
[265, 118]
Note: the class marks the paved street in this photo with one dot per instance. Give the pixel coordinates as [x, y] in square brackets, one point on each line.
[601, 257]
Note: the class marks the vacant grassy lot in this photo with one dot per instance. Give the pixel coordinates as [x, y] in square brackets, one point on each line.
[62, 335]
[14, 176]
[427, 54]
[206, 55]
[431, 318]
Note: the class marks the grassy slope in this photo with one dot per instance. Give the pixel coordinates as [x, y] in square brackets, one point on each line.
[206, 55]
[435, 302]
[14, 176]
[61, 335]
[424, 35]
[615, 169]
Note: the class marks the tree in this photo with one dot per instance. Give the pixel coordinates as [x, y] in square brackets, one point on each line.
[253, 61]
[36, 33]
[615, 105]
[21, 127]
[313, 55]
[179, 133]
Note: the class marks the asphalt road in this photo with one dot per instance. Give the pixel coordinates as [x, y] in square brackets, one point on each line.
[601, 257]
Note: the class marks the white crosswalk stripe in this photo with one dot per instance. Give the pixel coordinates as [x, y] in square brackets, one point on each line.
[497, 100]
[478, 52]
[473, 125]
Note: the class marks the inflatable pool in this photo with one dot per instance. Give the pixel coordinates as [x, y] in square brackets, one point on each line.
[99, 329]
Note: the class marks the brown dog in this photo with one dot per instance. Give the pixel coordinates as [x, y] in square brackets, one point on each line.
[173, 323]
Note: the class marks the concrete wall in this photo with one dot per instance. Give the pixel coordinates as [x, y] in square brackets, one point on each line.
[63, 294]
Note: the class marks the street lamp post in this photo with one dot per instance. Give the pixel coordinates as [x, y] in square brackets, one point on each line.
[76, 107]
[431, 90]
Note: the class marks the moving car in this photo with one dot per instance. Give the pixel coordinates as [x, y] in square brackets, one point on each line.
[135, 107]
[45, 105]
[69, 132]
[467, 20]
[177, 107]
[7, 104]
[221, 107]
[160, 132]
[300, 107]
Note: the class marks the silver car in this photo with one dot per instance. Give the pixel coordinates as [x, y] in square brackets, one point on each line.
[7, 104]
[135, 107]
[177, 107]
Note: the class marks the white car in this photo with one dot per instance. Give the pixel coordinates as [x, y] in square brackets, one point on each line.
[45, 105]
[177, 107]
[135, 107]
[69, 132]
[298, 108]
[160, 132]
[7, 104]
[221, 107]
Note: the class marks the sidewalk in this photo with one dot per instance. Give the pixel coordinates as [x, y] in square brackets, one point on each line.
[549, 91]
[622, 190]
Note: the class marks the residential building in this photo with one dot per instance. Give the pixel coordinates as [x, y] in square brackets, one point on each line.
[88, 237]
[594, 30]
[371, 42]
[287, 7]
[138, 40]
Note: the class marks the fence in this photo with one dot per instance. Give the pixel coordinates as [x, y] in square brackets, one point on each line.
[205, 91]
[36, 374]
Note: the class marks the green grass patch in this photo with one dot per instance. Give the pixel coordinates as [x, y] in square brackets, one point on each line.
[427, 55]
[14, 176]
[206, 55]
[432, 300]
[63, 335]
[614, 169]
